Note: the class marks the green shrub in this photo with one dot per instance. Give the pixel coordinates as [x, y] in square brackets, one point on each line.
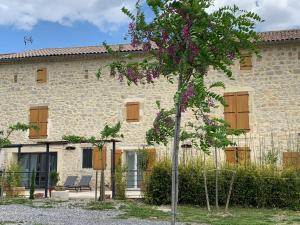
[253, 186]
[120, 183]
[32, 185]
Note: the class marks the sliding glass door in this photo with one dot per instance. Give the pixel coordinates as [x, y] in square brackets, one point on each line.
[37, 162]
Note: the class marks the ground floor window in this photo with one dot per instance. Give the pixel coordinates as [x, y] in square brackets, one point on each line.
[87, 158]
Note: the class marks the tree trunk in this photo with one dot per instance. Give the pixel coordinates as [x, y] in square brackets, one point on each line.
[175, 157]
[217, 179]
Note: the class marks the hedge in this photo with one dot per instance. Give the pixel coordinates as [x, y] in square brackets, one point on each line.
[253, 186]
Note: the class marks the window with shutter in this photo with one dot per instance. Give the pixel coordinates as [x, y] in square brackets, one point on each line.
[87, 158]
[132, 112]
[236, 113]
[41, 75]
[246, 62]
[38, 117]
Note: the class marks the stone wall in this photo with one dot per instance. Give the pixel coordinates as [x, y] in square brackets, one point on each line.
[82, 105]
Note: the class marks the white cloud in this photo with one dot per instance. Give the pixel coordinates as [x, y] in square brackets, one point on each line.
[278, 14]
[106, 14]
[25, 14]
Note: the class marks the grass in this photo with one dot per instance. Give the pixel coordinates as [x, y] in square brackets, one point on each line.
[235, 216]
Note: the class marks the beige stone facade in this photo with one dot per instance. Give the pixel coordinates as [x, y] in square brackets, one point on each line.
[80, 104]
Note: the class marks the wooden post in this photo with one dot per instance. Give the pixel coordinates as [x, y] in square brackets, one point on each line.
[217, 178]
[96, 186]
[47, 169]
[206, 191]
[230, 190]
[2, 184]
[113, 171]
[102, 187]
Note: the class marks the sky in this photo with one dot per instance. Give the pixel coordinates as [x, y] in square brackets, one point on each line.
[71, 23]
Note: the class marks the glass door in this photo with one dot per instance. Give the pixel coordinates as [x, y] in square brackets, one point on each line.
[133, 174]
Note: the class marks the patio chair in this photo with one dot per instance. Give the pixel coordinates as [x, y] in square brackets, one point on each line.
[70, 183]
[84, 183]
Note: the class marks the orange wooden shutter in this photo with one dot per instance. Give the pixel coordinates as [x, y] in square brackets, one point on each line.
[41, 75]
[246, 62]
[118, 157]
[43, 122]
[33, 120]
[242, 100]
[99, 158]
[132, 112]
[230, 109]
[152, 158]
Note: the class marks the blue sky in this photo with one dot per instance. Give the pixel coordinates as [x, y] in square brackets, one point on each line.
[67, 23]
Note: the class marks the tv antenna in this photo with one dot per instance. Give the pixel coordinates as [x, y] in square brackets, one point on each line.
[28, 40]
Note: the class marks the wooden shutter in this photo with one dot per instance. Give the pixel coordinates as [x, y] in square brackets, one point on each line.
[246, 62]
[99, 158]
[236, 113]
[43, 122]
[38, 116]
[118, 157]
[34, 120]
[152, 158]
[132, 112]
[231, 155]
[242, 120]
[41, 75]
[230, 109]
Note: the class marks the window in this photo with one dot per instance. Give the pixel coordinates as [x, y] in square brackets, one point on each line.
[87, 158]
[236, 113]
[132, 112]
[41, 76]
[39, 117]
[246, 62]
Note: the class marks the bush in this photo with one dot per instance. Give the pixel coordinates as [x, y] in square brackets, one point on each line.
[253, 186]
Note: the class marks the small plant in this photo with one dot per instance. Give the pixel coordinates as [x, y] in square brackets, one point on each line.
[120, 183]
[54, 178]
[13, 178]
[32, 185]
[143, 159]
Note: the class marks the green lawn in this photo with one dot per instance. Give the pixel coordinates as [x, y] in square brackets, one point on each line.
[235, 216]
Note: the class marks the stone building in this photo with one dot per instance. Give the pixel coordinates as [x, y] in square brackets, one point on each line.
[58, 90]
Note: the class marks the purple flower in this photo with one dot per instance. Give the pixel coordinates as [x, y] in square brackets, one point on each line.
[146, 46]
[185, 31]
[188, 94]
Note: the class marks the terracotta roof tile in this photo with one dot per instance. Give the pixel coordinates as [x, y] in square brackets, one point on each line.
[277, 36]
[270, 36]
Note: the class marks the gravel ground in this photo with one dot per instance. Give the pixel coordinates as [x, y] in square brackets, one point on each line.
[26, 215]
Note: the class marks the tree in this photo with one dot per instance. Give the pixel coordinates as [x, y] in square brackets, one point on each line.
[6, 134]
[182, 42]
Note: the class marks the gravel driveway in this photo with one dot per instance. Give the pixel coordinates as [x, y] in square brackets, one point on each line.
[26, 215]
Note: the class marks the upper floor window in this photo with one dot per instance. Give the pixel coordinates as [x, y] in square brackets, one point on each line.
[246, 62]
[132, 112]
[236, 113]
[41, 76]
[39, 117]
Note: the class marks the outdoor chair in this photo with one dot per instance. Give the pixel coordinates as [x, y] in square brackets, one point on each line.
[84, 183]
[70, 183]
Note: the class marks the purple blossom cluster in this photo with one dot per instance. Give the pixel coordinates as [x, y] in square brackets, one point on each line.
[135, 75]
[188, 94]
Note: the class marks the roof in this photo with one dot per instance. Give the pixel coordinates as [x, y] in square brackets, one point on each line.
[67, 51]
[279, 36]
[268, 37]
